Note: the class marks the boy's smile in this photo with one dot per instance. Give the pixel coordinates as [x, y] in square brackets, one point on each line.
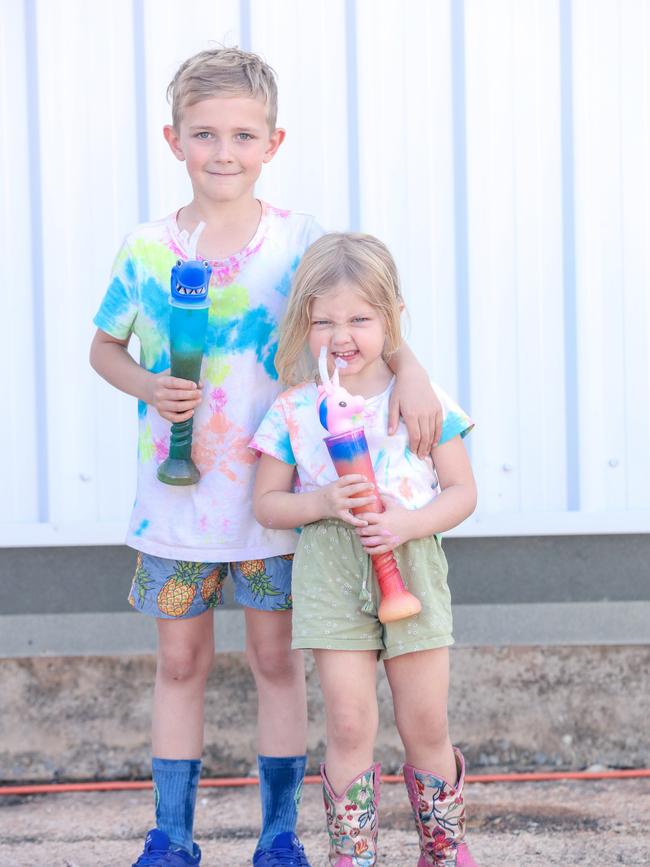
[224, 142]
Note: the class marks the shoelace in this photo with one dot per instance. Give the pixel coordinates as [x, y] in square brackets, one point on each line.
[155, 858]
[151, 859]
[287, 858]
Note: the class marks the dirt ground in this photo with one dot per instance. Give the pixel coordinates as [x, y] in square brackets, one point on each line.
[510, 825]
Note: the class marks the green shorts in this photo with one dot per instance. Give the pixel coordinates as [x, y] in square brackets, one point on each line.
[331, 578]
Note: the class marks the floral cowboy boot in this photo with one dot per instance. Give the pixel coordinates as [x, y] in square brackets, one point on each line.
[352, 822]
[439, 814]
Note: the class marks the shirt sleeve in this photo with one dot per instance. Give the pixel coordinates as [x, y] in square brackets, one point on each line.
[272, 436]
[119, 307]
[314, 232]
[455, 420]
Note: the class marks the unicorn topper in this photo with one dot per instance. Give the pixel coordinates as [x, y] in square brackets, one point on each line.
[338, 410]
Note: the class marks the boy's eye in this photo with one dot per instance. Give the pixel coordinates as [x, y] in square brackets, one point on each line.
[203, 135]
[244, 136]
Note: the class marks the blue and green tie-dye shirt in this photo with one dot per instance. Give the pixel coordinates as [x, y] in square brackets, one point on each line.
[211, 521]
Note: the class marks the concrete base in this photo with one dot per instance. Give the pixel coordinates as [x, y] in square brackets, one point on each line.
[82, 718]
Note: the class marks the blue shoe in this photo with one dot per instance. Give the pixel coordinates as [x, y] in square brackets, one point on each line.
[286, 851]
[159, 851]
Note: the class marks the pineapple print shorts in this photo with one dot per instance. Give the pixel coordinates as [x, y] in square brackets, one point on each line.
[175, 589]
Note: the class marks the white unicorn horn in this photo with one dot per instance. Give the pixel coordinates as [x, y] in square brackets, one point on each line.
[322, 368]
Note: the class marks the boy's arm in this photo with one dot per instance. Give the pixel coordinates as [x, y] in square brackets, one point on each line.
[456, 502]
[276, 506]
[175, 399]
[415, 400]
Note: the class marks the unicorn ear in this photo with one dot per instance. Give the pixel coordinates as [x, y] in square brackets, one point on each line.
[335, 378]
[322, 414]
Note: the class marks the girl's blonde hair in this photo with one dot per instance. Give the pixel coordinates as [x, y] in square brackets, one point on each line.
[351, 256]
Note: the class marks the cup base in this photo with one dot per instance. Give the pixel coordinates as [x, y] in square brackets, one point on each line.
[398, 606]
[178, 471]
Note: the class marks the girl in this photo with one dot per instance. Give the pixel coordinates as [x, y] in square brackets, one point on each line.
[346, 298]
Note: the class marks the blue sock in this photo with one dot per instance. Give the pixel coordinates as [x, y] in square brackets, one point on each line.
[175, 782]
[280, 792]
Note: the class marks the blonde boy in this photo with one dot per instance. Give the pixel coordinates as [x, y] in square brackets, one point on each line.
[224, 107]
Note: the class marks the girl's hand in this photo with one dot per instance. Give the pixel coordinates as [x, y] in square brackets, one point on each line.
[174, 398]
[338, 498]
[384, 532]
[415, 400]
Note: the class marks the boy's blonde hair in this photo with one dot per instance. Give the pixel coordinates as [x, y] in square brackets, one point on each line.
[223, 72]
[351, 256]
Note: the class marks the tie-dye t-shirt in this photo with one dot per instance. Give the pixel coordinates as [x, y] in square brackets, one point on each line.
[291, 432]
[212, 521]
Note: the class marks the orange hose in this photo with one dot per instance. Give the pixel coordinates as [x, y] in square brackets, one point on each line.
[230, 782]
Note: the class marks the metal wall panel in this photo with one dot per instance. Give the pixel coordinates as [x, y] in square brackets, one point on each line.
[406, 160]
[612, 204]
[500, 149]
[514, 254]
[22, 430]
[87, 139]
[305, 44]
[166, 41]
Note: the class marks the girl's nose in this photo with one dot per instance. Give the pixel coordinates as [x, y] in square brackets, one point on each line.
[341, 335]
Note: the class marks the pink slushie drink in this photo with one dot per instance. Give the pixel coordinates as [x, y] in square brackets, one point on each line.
[349, 452]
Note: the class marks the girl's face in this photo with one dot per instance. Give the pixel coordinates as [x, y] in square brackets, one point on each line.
[351, 329]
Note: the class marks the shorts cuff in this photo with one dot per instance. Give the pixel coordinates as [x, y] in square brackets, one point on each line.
[416, 646]
[336, 644]
[158, 614]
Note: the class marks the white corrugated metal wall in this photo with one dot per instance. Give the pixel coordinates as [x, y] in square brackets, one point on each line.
[501, 150]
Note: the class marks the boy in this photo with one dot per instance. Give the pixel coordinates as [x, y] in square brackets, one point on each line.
[224, 105]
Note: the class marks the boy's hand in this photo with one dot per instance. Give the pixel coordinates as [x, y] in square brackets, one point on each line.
[338, 498]
[174, 398]
[417, 403]
[384, 532]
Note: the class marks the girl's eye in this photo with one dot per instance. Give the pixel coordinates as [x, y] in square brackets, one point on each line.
[361, 319]
[320, 322]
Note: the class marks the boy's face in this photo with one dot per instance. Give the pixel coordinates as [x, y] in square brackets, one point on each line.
[224, 142]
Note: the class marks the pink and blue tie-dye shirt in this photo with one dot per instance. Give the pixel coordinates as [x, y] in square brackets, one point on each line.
[291, 432]
[213, 520]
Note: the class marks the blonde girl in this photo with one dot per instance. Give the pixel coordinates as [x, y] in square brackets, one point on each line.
[346, 298]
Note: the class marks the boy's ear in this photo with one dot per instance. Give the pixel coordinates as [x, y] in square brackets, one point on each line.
[172, 139]
[275, 140]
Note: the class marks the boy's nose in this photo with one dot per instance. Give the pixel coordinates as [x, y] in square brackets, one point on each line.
[222, 152]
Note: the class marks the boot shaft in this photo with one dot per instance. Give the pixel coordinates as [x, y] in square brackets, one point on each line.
[439, 812]
[352, 822]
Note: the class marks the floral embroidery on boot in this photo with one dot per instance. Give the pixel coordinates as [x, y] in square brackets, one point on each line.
[352, 822]
[439, 813]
